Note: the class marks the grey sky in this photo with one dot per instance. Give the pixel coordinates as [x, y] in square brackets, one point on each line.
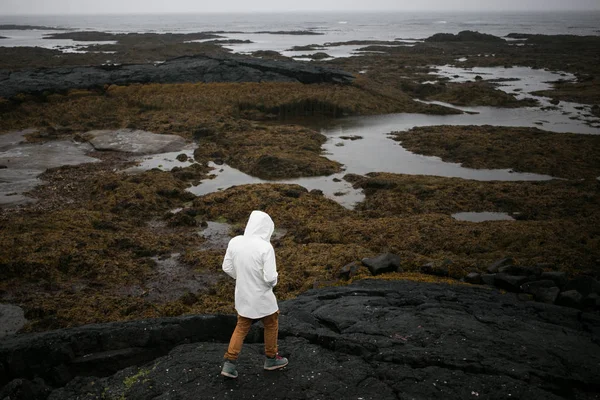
[8, 7]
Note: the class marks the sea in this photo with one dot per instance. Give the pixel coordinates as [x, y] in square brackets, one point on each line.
[331, 26]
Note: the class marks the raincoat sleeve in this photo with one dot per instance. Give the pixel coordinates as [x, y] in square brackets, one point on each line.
[228, 264]
[269, 267]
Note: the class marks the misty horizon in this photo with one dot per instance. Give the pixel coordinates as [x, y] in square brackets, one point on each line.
[330, 11]
[121, 7]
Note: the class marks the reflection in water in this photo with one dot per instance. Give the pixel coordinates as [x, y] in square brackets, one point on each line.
[482, 216]
[376, 152]
[216, 235]
[165, 161]
[226, 177]
[522, 82]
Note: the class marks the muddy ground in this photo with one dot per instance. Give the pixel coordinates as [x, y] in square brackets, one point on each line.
[103, 246]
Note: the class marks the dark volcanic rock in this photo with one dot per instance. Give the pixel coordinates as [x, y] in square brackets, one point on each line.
[488, 279]
[531, 287]
[177, 70]
[348, 270]
[559, 278]
[519, 270]
[23, 389]
[509, 282]
[592, 300]
[464, 36]
[545, 291]
[385, 340]
[474, 278]
[584, 285]
[547, 295]
[492, 269]
[437, 270]
[383, 263]
[102, 349]
[570, 298]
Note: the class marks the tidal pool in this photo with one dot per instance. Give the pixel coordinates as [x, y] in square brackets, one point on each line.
[377, 152]
[165, 161]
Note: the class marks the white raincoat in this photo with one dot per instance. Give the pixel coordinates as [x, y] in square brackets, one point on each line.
[250, 260]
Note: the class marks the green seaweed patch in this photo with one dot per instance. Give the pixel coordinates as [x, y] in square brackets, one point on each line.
[586, 90]
[479, 94]
[561, 155]
[271, 152]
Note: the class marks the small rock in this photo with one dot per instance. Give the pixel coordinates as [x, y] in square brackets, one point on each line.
[294, 193]
[432, 269]
[570, 298]
[592, 301]
[474, 278]
[520, 271]
[12, 319]
[547, 295]
[559, 278]
[488, 279]
[317, 192]
[427, 268]
[348, 271]
[182, 157]
[23, 389]
[510, 283]
[492, 269]
[525, 297]
[584, 285]
[531, 287]
[383, 263]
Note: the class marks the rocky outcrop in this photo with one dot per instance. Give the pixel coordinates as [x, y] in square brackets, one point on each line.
[552, 287]
[383, 263]
[134, 141]
[465, 36]
[178, 70]
[12, 318]
[370, 340]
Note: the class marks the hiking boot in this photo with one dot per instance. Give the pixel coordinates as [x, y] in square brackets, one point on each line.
[275, 362]
[229, 369]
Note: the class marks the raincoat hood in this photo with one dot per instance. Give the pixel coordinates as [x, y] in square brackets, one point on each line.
[260, 224]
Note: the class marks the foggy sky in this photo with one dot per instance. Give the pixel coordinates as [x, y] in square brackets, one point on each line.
[11, 7]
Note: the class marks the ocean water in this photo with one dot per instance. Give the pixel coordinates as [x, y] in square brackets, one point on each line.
[379, 25]
[332, 26]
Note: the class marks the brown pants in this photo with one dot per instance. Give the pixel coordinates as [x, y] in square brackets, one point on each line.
[271, 324]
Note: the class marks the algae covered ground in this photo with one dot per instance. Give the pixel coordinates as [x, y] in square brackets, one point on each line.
[100, 245]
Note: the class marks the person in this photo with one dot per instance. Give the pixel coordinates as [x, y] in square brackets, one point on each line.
[250, 260]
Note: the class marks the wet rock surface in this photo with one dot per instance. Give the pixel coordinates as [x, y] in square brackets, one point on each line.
[371, 340]
[12, 318]
[23, 162]
[178, 70]
[135, 141]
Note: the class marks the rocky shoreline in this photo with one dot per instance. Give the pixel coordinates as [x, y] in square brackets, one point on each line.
[374, 339]
[101, 245]
[179, 70]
